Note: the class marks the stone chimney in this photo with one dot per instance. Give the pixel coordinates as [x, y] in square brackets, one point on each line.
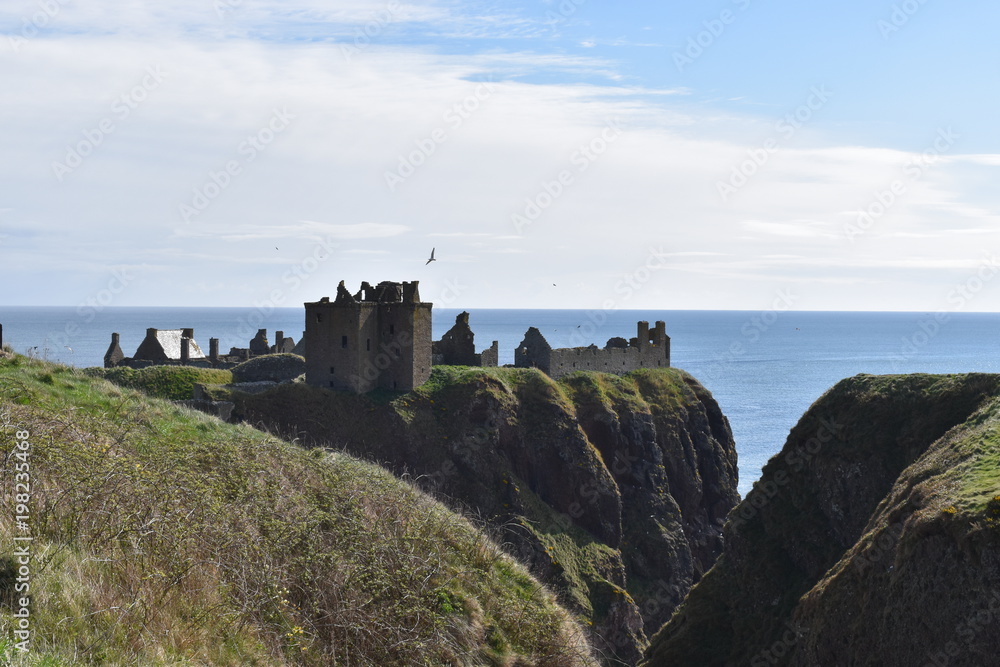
[213, 349]
[642, 335]
[114, 355]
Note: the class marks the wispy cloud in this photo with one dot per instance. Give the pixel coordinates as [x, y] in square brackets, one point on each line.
[306, 229]
[812, 229]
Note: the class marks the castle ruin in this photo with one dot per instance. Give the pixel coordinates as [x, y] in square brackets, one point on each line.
[649, 349]
[457, 347]
[379, 338]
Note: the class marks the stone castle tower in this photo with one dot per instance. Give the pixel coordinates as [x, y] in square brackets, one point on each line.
[379, 338]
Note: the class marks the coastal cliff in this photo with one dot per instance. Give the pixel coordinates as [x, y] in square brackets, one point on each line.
[871, 539]
[612, 489]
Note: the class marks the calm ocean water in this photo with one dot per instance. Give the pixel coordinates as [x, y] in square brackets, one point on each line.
[764, 369]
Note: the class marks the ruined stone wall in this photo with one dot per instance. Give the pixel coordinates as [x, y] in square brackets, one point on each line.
[404, 338]
[490, 357]
[457, 346]
[340, 339]
[617, 360]
[533, 352]
[649, 349]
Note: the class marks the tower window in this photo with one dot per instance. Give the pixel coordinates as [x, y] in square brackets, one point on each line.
[343, 342]
[332, 372]
[368, 345]
[392, 329]
[319, 317]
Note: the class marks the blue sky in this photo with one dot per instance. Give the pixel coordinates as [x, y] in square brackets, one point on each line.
[558, 155]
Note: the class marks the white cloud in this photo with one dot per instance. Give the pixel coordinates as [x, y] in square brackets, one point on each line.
[356, 119]
[812, 229]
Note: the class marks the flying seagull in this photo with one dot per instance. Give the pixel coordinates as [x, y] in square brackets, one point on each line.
[432, 257]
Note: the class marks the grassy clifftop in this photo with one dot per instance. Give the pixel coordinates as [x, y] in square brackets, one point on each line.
[872, 538]
[162, 536]
[612, 489]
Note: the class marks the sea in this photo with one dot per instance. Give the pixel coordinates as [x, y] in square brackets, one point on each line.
[765, 368]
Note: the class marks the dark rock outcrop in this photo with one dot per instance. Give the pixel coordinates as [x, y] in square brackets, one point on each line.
[612, 489]
[871, 539]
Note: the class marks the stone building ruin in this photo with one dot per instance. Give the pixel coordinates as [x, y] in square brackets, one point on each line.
[378, 338]
[457, 347]
[177, 347]
[649, 349]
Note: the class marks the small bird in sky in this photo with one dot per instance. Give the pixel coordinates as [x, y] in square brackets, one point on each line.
[68, 348]
[432, 257]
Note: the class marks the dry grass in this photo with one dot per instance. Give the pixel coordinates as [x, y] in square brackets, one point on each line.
[165, 537]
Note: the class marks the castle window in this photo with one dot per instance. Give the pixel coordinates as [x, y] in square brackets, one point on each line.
[368, 345]
[392, 329]
[331, 384]
[319, 317]
[343, 342]
[332, 372]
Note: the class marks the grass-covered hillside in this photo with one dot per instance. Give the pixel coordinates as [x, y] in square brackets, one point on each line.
[612, 489]
[872, 538]
[164, 537]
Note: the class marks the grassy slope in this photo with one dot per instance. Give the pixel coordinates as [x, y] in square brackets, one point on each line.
[165, 537]
[875, 548]
[569, 468]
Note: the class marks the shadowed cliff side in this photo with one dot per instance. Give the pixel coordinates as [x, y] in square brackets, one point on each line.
[871, 538]
[612, 489]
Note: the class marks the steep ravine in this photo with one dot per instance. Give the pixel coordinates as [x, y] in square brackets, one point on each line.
[613, 490]
[871, 539]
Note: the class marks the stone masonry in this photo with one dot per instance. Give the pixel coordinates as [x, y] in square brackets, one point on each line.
[649, 349]
[377, 338]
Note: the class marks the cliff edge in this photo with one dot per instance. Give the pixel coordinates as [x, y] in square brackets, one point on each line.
[871, 539]
[612, 489]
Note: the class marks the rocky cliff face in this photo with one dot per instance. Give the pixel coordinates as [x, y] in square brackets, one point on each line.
[871, 539]
[613, 490]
